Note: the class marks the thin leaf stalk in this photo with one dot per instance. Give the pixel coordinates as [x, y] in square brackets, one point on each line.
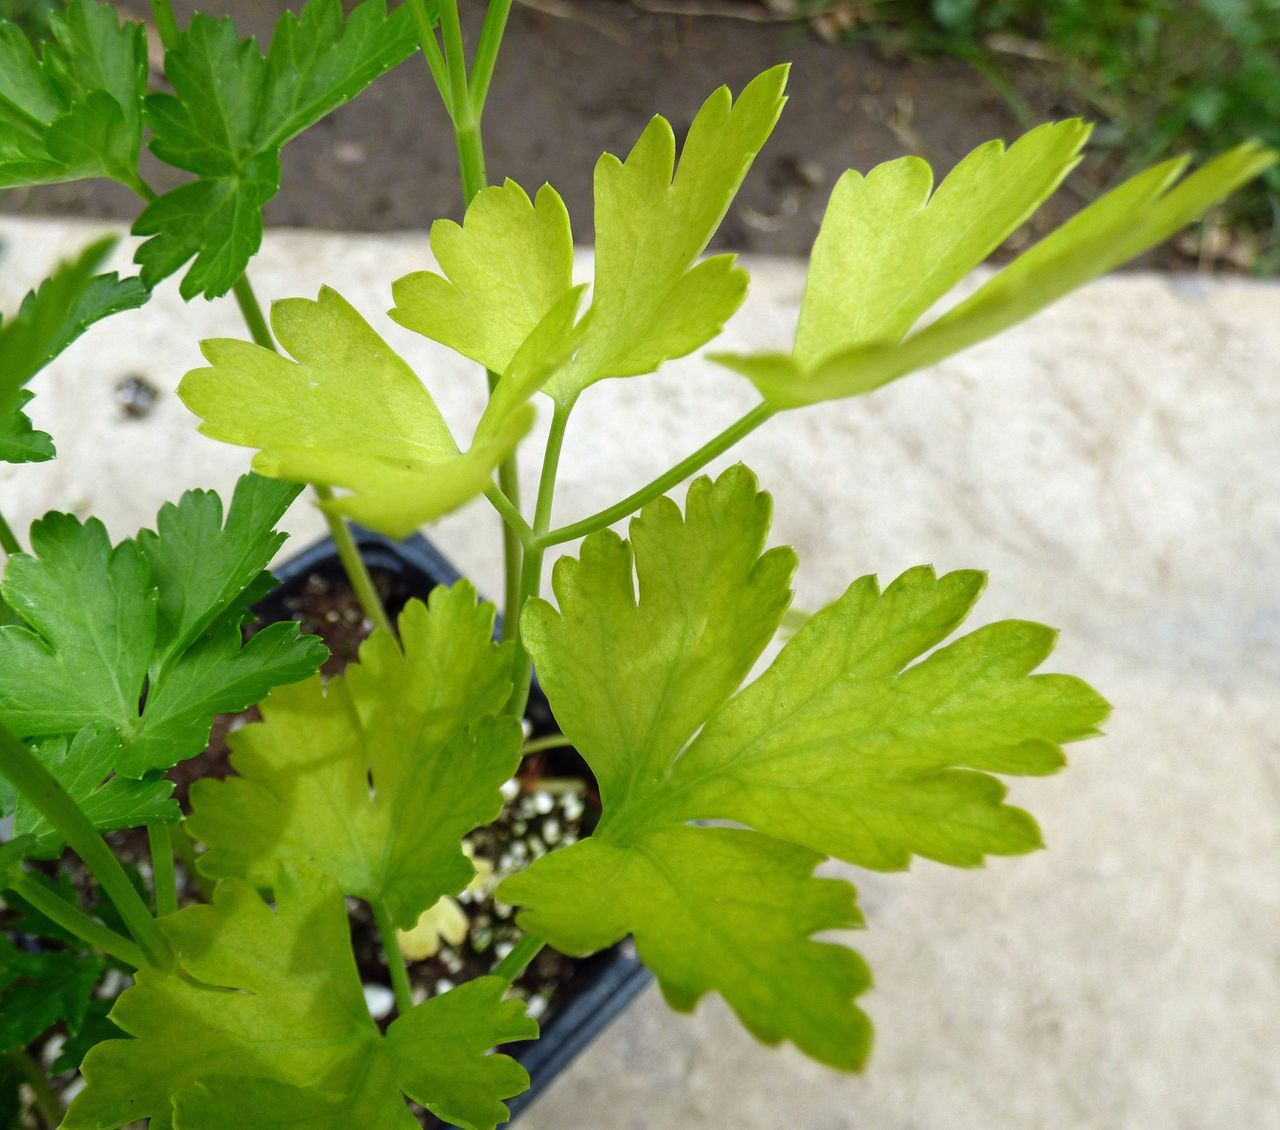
[37, 784]
[519, 958]
[72, 919]
[531, 573]
[663, 483]
[395, 958]
[163, 876]
[348, 552]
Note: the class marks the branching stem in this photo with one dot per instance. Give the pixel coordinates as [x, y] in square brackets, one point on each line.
[75, 921]
[36, 783]
[663, 483]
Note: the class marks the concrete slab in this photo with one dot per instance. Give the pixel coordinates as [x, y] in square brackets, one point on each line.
[1114, 464]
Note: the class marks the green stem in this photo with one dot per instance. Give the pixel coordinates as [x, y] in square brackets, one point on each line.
[395, 959]
[166, 24]
[163, 876]
[455, 56]
[37, 784]
[8, 540]
[495, 24]
[551, 741]
[504, 506]
[431, 52]
[357, 572]
[517, 961]
[531, 572]
[664, 482]
[46, 1102]
[185, 849]
[254, 318]
[75, 921]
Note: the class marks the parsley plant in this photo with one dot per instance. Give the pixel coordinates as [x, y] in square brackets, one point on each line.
[876, 735]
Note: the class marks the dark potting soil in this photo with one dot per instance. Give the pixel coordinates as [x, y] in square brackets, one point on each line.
[552, 802]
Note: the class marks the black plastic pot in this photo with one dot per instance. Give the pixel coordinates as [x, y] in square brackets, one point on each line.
[603, 984]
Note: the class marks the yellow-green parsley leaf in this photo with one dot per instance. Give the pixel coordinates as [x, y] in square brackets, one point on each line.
[418, 721]
[99, 630]
[49, 319]
[349, 412]
[76, 110]
[267, 1005]
[650, 302]
[232, 109]
[504, 267]
[849, 745]
[845, 348]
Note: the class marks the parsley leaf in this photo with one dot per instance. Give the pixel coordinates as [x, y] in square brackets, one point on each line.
[76, 111]
[50, 319]
[505, 267]
[99, 643]
[650, 303]
[418, 723]
[20, 442]
[293, 1031]
[380, 435]
[203, 569]
[858, 307]
[84, 767]
[232, 110]
[840, 748]
[37, 990]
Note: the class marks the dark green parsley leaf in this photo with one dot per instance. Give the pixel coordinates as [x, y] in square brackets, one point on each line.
[230, 557]
[50, 318]
[850, 745]
[232, 110]
[85, 767]
[39, 989]
[99, 642]
[20, 441]
[74, 111]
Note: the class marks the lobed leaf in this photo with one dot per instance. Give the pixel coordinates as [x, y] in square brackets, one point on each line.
[849, 745]
[232, 109]
[650, 302]
[104, 640]
[76, 110]
[374, 777]
[841, 353]
[39, 990]
[504, 268]
[349, 412]
[264, 1023]
[50, 319]
[85, 767]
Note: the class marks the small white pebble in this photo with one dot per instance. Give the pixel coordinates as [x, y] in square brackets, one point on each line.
[443, 985]
[543, 803]
[510, 789]
[503, 948]
[536, 1006]
[379, 1000]
[551, 830]
[239, 722]
[573, 807]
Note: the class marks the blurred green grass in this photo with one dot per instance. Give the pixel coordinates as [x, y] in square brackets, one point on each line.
[1159, 76]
